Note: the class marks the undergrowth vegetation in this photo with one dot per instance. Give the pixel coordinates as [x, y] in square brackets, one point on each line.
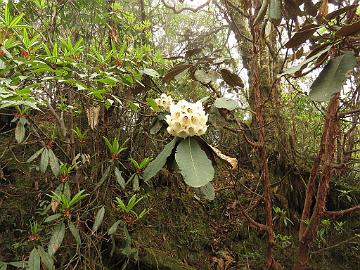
[117, 154]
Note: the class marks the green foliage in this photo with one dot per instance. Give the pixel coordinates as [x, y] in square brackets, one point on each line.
[155, 166]
[129, 206]
[98, 219]
[56, 239]
[66, 202]
[226, 103]
[332, 77]
[194, 165]
[115, 148]
[281, 216]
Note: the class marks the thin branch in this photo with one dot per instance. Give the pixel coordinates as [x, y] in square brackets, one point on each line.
[341, 213]
[345, 114]
[173, 8]
[337, 245]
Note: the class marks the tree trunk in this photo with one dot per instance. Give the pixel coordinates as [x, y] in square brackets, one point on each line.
[324, 161]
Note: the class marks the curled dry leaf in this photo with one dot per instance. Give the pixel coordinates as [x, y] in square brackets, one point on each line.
[232, 161]
[92, 114]
[54, 205]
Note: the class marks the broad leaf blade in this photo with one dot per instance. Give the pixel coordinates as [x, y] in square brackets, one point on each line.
[98, 219]
[155, 166]
[332, 77]
[194, 165]
[56, 239]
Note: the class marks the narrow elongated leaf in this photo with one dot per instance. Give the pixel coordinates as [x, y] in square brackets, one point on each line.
[135, 182]
[44, 161]
[119, 178]
[34, 260]
[46, 258]
[151, 72]
[332, 77]
[75, 232]
[226, 103]
[104, 177]
[113, 228]
[155, 166]
[300, 66]
[232, 161]
[20, 264]
[20, 132]
[2, 64]
[194, 165]
[3, 266]
[35, 156]
[176, 70]
[54, 163]
[98, 219]
[52, 218]
[275, 10]
[56, 239]
[348, 30]
[301, 36]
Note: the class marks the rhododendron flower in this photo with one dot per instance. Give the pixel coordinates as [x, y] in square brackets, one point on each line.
[186, 119]
[164, 102]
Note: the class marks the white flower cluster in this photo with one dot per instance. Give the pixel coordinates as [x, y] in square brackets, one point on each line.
[186, 119]
[164, 102]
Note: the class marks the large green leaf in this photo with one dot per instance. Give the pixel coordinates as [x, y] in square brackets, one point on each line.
[155, 166]
[194, 165]
[56, 239]
[332, 77]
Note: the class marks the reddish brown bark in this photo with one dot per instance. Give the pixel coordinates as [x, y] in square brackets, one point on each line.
[259, 115]
[307, 234]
